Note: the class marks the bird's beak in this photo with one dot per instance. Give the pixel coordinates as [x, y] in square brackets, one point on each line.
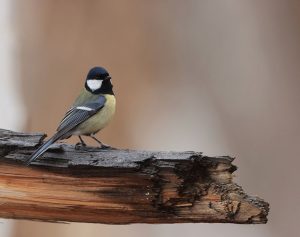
[108, 78]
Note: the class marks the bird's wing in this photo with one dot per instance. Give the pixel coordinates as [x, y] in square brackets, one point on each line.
[73, 118]
[78, 114]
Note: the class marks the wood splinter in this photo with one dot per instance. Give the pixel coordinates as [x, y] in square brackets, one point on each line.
[120, 186]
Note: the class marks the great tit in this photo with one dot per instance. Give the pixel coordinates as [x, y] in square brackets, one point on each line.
[91, 111]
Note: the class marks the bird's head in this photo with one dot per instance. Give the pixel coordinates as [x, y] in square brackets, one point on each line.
[98, 81]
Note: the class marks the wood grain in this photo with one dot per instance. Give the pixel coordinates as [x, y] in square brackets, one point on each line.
[120, 186]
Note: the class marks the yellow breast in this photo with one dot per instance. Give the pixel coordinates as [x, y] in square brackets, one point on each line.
[99, 120]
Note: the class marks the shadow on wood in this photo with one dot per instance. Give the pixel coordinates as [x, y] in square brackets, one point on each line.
[120, 186]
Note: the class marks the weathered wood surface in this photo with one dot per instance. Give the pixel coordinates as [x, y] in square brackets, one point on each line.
[120, 186]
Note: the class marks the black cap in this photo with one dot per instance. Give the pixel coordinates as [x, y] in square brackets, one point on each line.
[97, 73]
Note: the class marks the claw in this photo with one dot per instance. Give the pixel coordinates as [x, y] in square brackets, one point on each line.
[79, 146]
[104, 146]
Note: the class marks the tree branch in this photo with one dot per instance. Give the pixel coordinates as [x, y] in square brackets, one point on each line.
[119, 186]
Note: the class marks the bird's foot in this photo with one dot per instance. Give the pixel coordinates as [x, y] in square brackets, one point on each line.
[104, 146]
[80, 146]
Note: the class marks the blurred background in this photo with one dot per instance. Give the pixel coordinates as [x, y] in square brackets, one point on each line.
[222, 77]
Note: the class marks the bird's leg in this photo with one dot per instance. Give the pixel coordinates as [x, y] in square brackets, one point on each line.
[102, 145]
[82, 141]
[80, 144]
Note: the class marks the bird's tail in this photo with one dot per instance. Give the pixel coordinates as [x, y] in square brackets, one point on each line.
[41, 150]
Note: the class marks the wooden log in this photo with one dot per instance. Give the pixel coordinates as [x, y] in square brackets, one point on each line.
[116, 186]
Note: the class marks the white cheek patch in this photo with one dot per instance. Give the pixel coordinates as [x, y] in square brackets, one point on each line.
[94, 84]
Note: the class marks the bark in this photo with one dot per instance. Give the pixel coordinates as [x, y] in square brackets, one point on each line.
[117, 186]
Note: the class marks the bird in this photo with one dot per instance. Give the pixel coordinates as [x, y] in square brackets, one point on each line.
[92, 110]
